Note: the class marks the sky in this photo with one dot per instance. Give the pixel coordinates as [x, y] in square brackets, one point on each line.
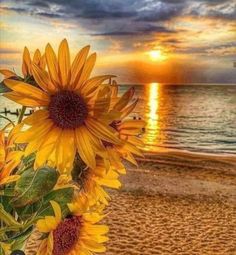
[139, 41]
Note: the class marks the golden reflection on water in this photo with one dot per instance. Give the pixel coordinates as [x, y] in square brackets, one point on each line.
[151, 135]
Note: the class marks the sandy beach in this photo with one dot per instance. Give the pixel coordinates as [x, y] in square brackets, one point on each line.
[173, 205]
[170, 206]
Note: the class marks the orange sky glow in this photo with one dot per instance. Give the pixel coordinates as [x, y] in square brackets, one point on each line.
[195, 44]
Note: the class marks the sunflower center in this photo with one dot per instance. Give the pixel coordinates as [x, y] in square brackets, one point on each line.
[67, 109]
[66, 235]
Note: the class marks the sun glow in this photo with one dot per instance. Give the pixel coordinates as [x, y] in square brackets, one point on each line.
[156, 55]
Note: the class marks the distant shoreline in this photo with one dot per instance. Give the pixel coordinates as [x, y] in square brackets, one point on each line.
[188, 156]
[176, 84]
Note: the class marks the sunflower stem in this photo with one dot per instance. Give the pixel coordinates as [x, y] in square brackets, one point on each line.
[22, 113]
[1, 116]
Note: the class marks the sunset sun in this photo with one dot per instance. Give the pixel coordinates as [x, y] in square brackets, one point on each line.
[156, 55]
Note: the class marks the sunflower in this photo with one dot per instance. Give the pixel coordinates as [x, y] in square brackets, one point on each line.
[5, 248]
[93, 180]
[67, 121]
[77, 234]
[9, 157]
[38, 60]
[129, 131]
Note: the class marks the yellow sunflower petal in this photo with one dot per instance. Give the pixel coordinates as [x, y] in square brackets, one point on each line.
[32, 147]
[93, 83]
[84, 147]
[65, 157]
[24, 100]
[101, 131]
[93, 246]
[87, 69]
[47, 146]
[114, 158]
[110, 183]
[95, 229]
[52, 64]
[77, 65]
[42, 63]
[9, 179]
[57, 211]
[124, 100]
[7, 73]
[26, 62]
[37, 57]
[135, 141]
[36, 117]
[42, 79]
[51, 222]
[42, 226]
[131, 148]
[64, 62]
[132, 124]
[131, 159]
[93, 217]
[26, 89]
[29, 135]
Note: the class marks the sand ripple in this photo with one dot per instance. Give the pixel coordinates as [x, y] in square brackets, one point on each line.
[146, 225]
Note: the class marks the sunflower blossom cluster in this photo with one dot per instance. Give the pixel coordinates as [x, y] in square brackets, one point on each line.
[56, 163]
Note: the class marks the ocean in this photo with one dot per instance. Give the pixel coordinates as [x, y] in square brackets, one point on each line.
[194, 118]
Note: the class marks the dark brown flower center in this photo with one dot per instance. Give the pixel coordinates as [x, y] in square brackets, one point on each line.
[66, 235]
[67, 109]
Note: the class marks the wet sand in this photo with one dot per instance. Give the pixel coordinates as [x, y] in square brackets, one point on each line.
[173, 205]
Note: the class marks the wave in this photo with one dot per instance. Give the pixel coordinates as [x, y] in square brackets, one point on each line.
[195, 156]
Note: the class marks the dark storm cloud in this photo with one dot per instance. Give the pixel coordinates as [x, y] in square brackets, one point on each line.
[48, 15]
[123, 17]
[102, 9]
[15, 9]
[39, 4]
[140, 31]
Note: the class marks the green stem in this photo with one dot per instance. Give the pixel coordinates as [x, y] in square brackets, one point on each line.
[22, 113]
[8, 218]
[1, 116]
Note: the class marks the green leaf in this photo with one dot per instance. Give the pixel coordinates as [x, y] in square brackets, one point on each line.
[43, 207]
[28, 211]
[21, 238]
[4, 201]
[33, 185]
[4, 88]
[28, 162]
[61, 196]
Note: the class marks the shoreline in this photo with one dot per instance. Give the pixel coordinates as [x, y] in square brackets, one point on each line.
[189, 155]
[184, 177]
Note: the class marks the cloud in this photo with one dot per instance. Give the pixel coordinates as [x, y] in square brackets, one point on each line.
[220, 50]
[140, 31]
[8, 51]
[160, 11]
[216, 9]
[39, 4]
